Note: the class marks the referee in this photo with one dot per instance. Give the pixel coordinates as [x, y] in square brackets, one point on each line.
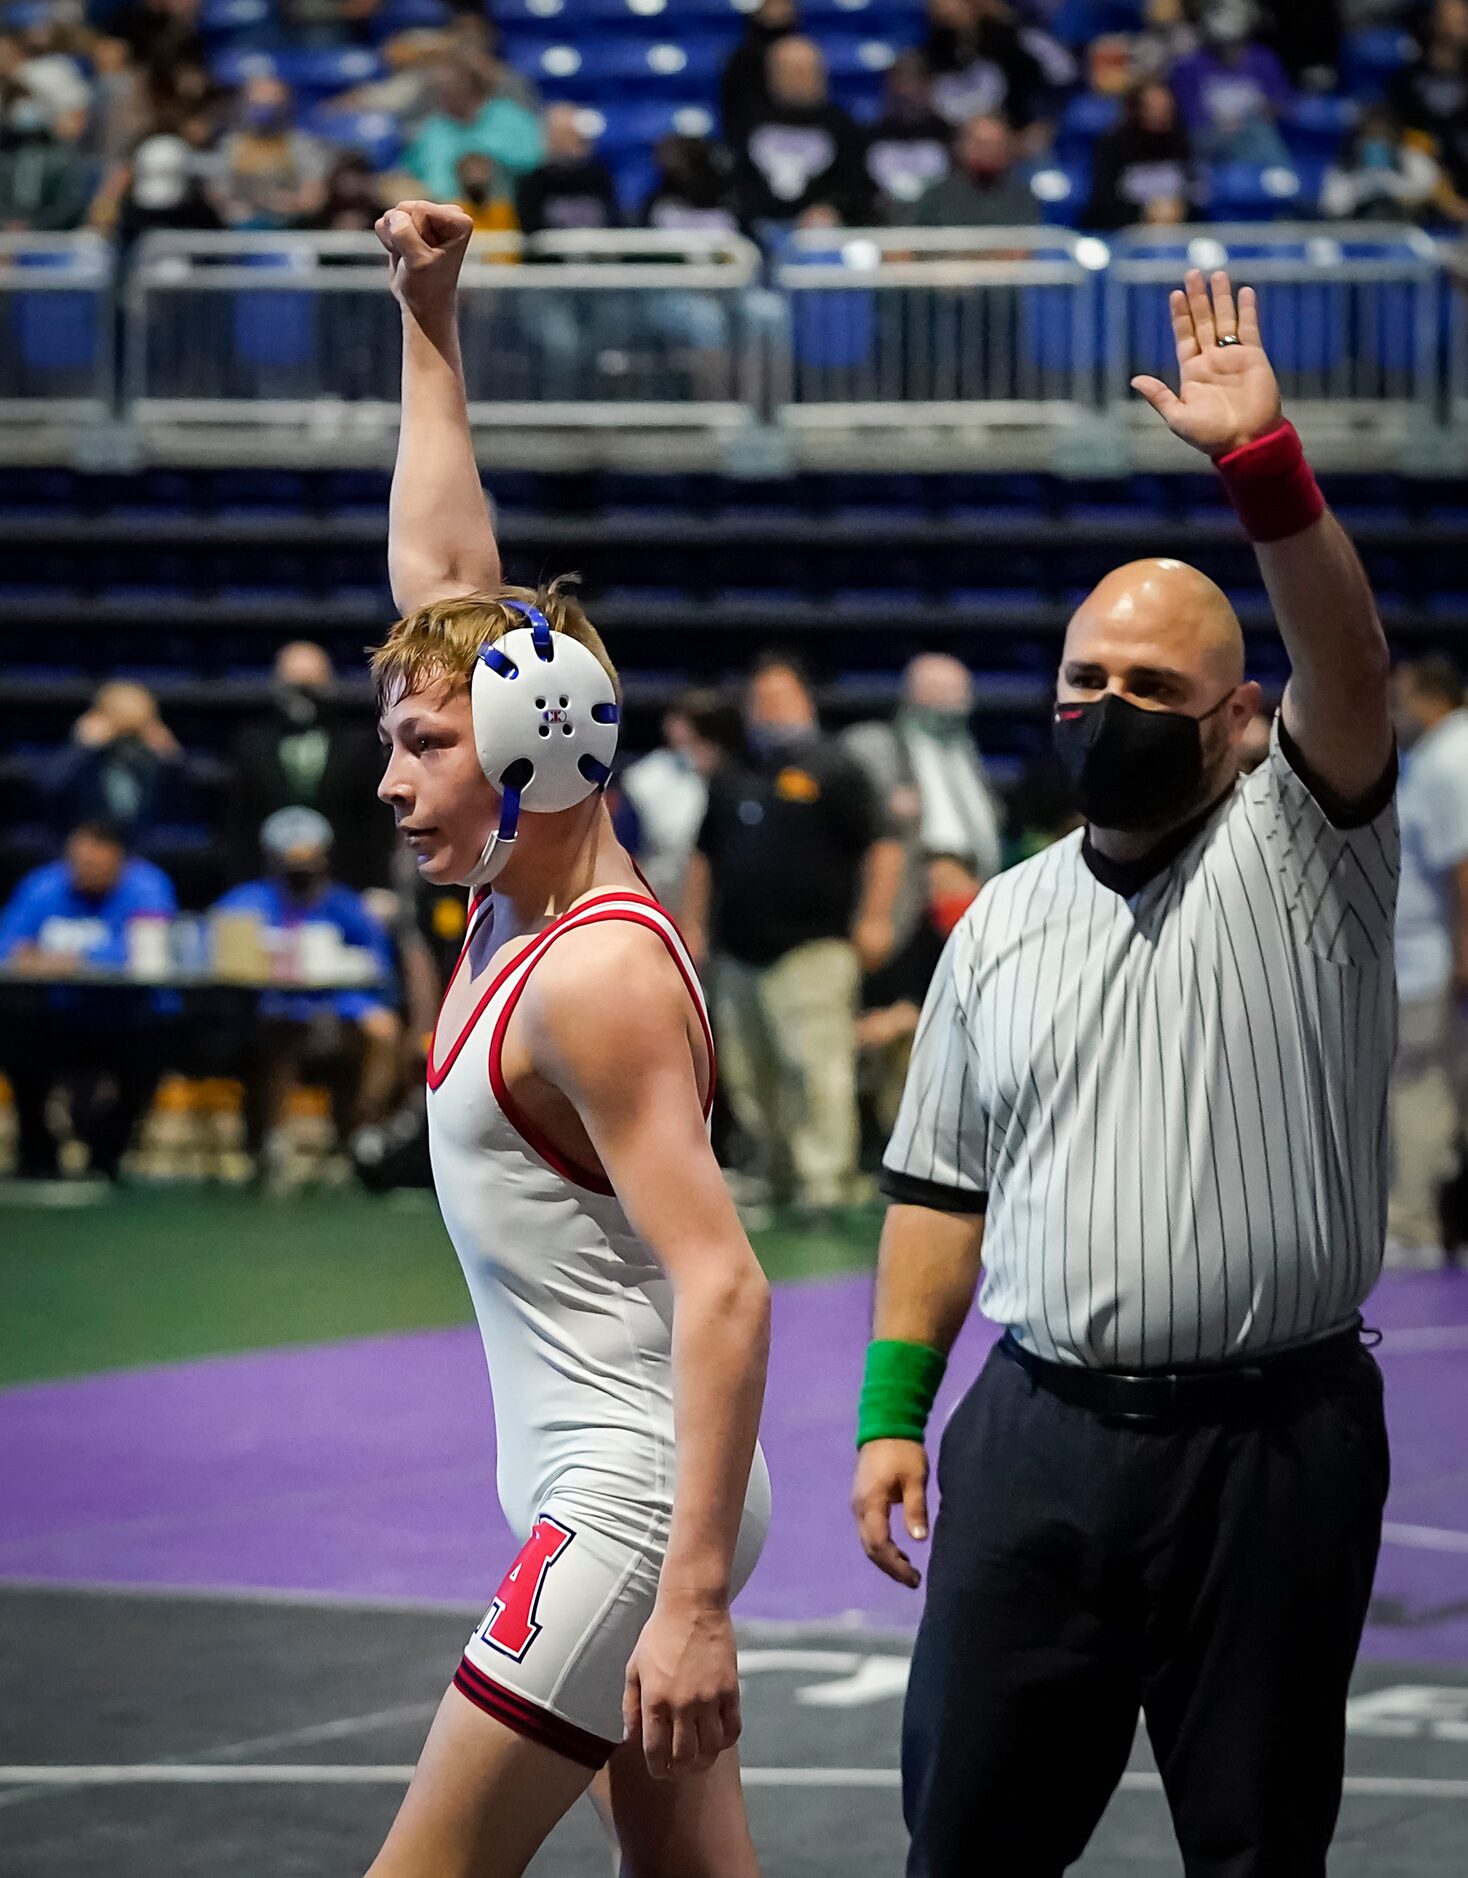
[1151, 1079]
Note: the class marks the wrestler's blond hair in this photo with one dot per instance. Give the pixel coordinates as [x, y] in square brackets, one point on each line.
[437, 646]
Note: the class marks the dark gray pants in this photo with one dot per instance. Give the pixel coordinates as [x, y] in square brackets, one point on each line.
[1214, 1577]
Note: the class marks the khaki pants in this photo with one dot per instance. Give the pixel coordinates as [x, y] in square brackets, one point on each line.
[1426, 1108]
[787, 1057]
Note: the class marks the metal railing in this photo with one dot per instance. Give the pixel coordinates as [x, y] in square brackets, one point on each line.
[56, 328]
[869, 344]
[1349, 312]
[594, 329]
[940, 328]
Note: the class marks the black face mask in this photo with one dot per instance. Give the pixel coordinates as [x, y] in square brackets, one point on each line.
[300, 705]
[1132, 769]
[301, 883]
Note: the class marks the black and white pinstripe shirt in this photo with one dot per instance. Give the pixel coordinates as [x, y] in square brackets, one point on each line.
[1169, 1092]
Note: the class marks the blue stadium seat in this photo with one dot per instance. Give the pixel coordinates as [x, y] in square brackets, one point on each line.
[1251, 192]
[55, 332]
[830, 331]
[1078, 22]
[234, 17]
[274, 332]
[233, 65]
[324, 69]
[865, 56]
[399, 15]
[1370, 57]
[1317, 126]
[1086, 117]
[639, 126]
[635, 173]
[377, 134]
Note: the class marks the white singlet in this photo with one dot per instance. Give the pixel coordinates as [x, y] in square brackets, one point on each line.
[576, 1314]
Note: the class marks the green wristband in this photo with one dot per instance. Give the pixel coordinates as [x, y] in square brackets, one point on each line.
[897, 1390]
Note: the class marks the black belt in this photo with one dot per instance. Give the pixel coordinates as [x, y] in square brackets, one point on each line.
[1205, 1393]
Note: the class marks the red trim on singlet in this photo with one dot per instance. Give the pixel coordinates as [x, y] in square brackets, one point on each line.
[594, 1180]
[531, 1720]
[436, 1073]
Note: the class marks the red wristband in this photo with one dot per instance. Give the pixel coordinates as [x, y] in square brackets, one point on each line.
[1272, 487]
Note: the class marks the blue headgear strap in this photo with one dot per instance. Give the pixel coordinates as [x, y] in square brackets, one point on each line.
[540, 626]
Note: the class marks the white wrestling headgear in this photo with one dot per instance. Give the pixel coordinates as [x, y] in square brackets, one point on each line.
[545, 727]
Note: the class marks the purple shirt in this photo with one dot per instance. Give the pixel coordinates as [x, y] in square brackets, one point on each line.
[1213, 94]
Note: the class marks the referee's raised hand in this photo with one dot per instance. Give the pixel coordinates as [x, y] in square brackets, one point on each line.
[891, 1473]
[1227, 393]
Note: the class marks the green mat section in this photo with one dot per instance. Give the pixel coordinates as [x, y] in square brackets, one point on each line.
[145, 1277]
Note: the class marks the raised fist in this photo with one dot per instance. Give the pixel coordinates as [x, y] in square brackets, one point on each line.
[426, 243]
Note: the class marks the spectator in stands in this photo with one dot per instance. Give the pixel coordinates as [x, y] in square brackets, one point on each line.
[472, 118]
[162, 33]
[744, 89]
[799, 147]
[406, 91]
[1431, 1074]
[121, 112]
[694, 192]
[474, 41]
[485, 196]
[1430, 97]
[908, 148]
[303, 754]
[45, 179]
[669, 788]
[165, 184]
[271, 174]
[927, 774]
[572, 188]
[1143, 170]
[1231, 91]
[354, 197]
[349, 1038]
[793, 885]
[979, 63]
[892, 996]
[984, 188]
[63, 917]
[118, 764]
[1380, 177]
[51, 73]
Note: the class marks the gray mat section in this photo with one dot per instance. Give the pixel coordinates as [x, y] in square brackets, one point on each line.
[107, 1678]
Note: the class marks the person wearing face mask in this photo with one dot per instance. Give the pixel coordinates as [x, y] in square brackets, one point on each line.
[349, 1038]
[1380, 177]
[669, 788]
[303, 753]
[1149, 1091]
[926, 768]
[117, 766]
[791, 888]
[273, 175]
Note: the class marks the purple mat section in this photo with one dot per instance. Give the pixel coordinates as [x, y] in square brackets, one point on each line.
[368, 1468]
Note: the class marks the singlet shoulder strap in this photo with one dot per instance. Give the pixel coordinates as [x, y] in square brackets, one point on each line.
[634, 909]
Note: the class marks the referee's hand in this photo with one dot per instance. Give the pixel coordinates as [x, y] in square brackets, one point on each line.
[889, 1472]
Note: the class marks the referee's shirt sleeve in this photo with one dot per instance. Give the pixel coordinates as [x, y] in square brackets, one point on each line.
[1338, 863]
[939, 1151]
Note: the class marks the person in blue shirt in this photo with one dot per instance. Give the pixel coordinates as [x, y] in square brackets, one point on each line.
[105, 1044]
[348, 1039]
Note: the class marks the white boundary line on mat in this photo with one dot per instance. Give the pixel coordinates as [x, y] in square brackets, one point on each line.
[290, 1774]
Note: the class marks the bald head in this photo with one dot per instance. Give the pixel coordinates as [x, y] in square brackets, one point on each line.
[303, 663]
[1164, 637]
[936, 682]
[1158, 618]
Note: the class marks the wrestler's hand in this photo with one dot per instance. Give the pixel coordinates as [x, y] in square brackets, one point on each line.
[889, 1473]
[426, 243]
[682, 1693]
[1227, 395]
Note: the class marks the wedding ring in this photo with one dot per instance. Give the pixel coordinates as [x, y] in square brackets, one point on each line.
[1229, 339]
